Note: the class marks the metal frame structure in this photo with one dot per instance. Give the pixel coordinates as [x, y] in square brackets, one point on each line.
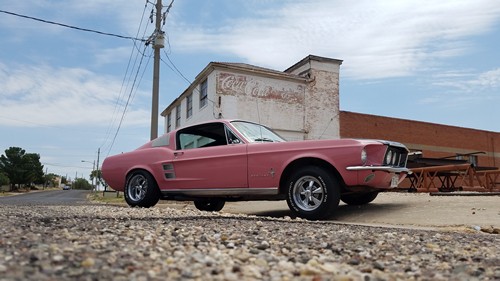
[448, 178]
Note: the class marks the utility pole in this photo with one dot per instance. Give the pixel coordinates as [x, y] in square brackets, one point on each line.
[158, 39]
[97, 169]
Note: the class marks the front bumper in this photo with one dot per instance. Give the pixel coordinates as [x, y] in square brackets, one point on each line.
[396, 170]
[382, 177]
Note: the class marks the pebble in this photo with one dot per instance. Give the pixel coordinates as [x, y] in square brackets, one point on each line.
[103, 242]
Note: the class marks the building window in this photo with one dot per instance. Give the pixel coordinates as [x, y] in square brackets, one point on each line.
[189, 106]
[178, 116]
[169, 122]
[203, 93]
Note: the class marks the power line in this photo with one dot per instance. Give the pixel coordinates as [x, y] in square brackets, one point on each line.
[125, 82]
[130, 97]
[63, 165]
[178, 72]
[174, 68]
[73, 27]
[133, 91]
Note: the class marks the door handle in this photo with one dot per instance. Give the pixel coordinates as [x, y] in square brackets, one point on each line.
[178, 153]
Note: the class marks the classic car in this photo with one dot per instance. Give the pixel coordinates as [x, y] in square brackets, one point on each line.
[234, 160]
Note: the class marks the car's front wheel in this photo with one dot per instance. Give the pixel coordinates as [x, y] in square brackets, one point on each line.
[358, 198]
[209, 205]
[141, 190]
[313, 193]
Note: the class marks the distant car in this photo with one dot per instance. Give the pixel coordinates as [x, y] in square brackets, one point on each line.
[66, 187]
[233, 160]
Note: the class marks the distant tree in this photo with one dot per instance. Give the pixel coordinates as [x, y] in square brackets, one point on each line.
[34, 169]
[81, 184]
[51, 179]
[21, 167]
[4, 179]
[64, 180]
[97, 174]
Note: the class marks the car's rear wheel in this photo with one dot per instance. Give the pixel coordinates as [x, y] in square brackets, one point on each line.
[141, 190]
[359, 198]
[209, 205]
[313, 193]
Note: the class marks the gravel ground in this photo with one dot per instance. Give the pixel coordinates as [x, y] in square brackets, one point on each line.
[102, 242]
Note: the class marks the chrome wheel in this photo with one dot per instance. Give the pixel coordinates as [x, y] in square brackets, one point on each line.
[312, 192]
[141, 190]
[308, 193]
[137, 187]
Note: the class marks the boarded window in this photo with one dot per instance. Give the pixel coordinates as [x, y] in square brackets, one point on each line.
[203, 93]
[169, 122]
[189, 106]
[178, 116]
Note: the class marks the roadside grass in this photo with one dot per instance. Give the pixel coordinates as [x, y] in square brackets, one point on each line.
[5, 193]
[106, 197]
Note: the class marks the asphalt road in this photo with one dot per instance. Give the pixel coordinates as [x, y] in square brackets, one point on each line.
[51, 197]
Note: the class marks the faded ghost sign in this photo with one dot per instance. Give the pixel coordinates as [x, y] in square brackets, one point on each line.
[241, 85]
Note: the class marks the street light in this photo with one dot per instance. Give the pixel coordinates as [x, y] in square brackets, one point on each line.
[93, 169]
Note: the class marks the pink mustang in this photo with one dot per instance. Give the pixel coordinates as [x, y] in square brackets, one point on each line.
[234, 160]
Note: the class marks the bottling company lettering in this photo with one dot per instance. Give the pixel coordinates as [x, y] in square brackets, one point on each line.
[241, 85]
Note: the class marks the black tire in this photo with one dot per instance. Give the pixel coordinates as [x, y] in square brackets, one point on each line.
[209, 205]
[312, 193]
[358, 198]
[141, 190]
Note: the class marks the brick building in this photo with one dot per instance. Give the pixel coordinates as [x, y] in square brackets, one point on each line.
[479, 147]
[302, 102]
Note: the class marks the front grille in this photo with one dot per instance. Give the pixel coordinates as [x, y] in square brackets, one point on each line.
[398, 158]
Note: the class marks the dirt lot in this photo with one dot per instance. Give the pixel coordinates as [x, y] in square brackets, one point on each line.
[408, 210]
[400, 209]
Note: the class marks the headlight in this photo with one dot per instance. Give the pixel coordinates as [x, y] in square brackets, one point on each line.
[394, 159]
[388, 157]
[364, 156]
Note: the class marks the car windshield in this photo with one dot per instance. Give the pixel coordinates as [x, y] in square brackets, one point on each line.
[256, 133]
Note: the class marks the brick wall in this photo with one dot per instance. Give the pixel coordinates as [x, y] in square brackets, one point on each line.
[434, 140]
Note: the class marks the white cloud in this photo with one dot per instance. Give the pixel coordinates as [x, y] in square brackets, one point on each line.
[488, 81]
[464, 88]
[376, 39]
[54, 96]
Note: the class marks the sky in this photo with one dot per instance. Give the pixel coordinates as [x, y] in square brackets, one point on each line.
[67, 94]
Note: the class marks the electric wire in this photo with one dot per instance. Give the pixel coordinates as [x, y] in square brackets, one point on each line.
[122, 92]
[167, 11]
[72, 26]
[132, 91]
[174, 68]
[135, 83]
[130, 97]
[65, 166]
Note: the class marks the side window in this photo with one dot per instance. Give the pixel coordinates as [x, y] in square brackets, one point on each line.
[205, 135]
[161, 141]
